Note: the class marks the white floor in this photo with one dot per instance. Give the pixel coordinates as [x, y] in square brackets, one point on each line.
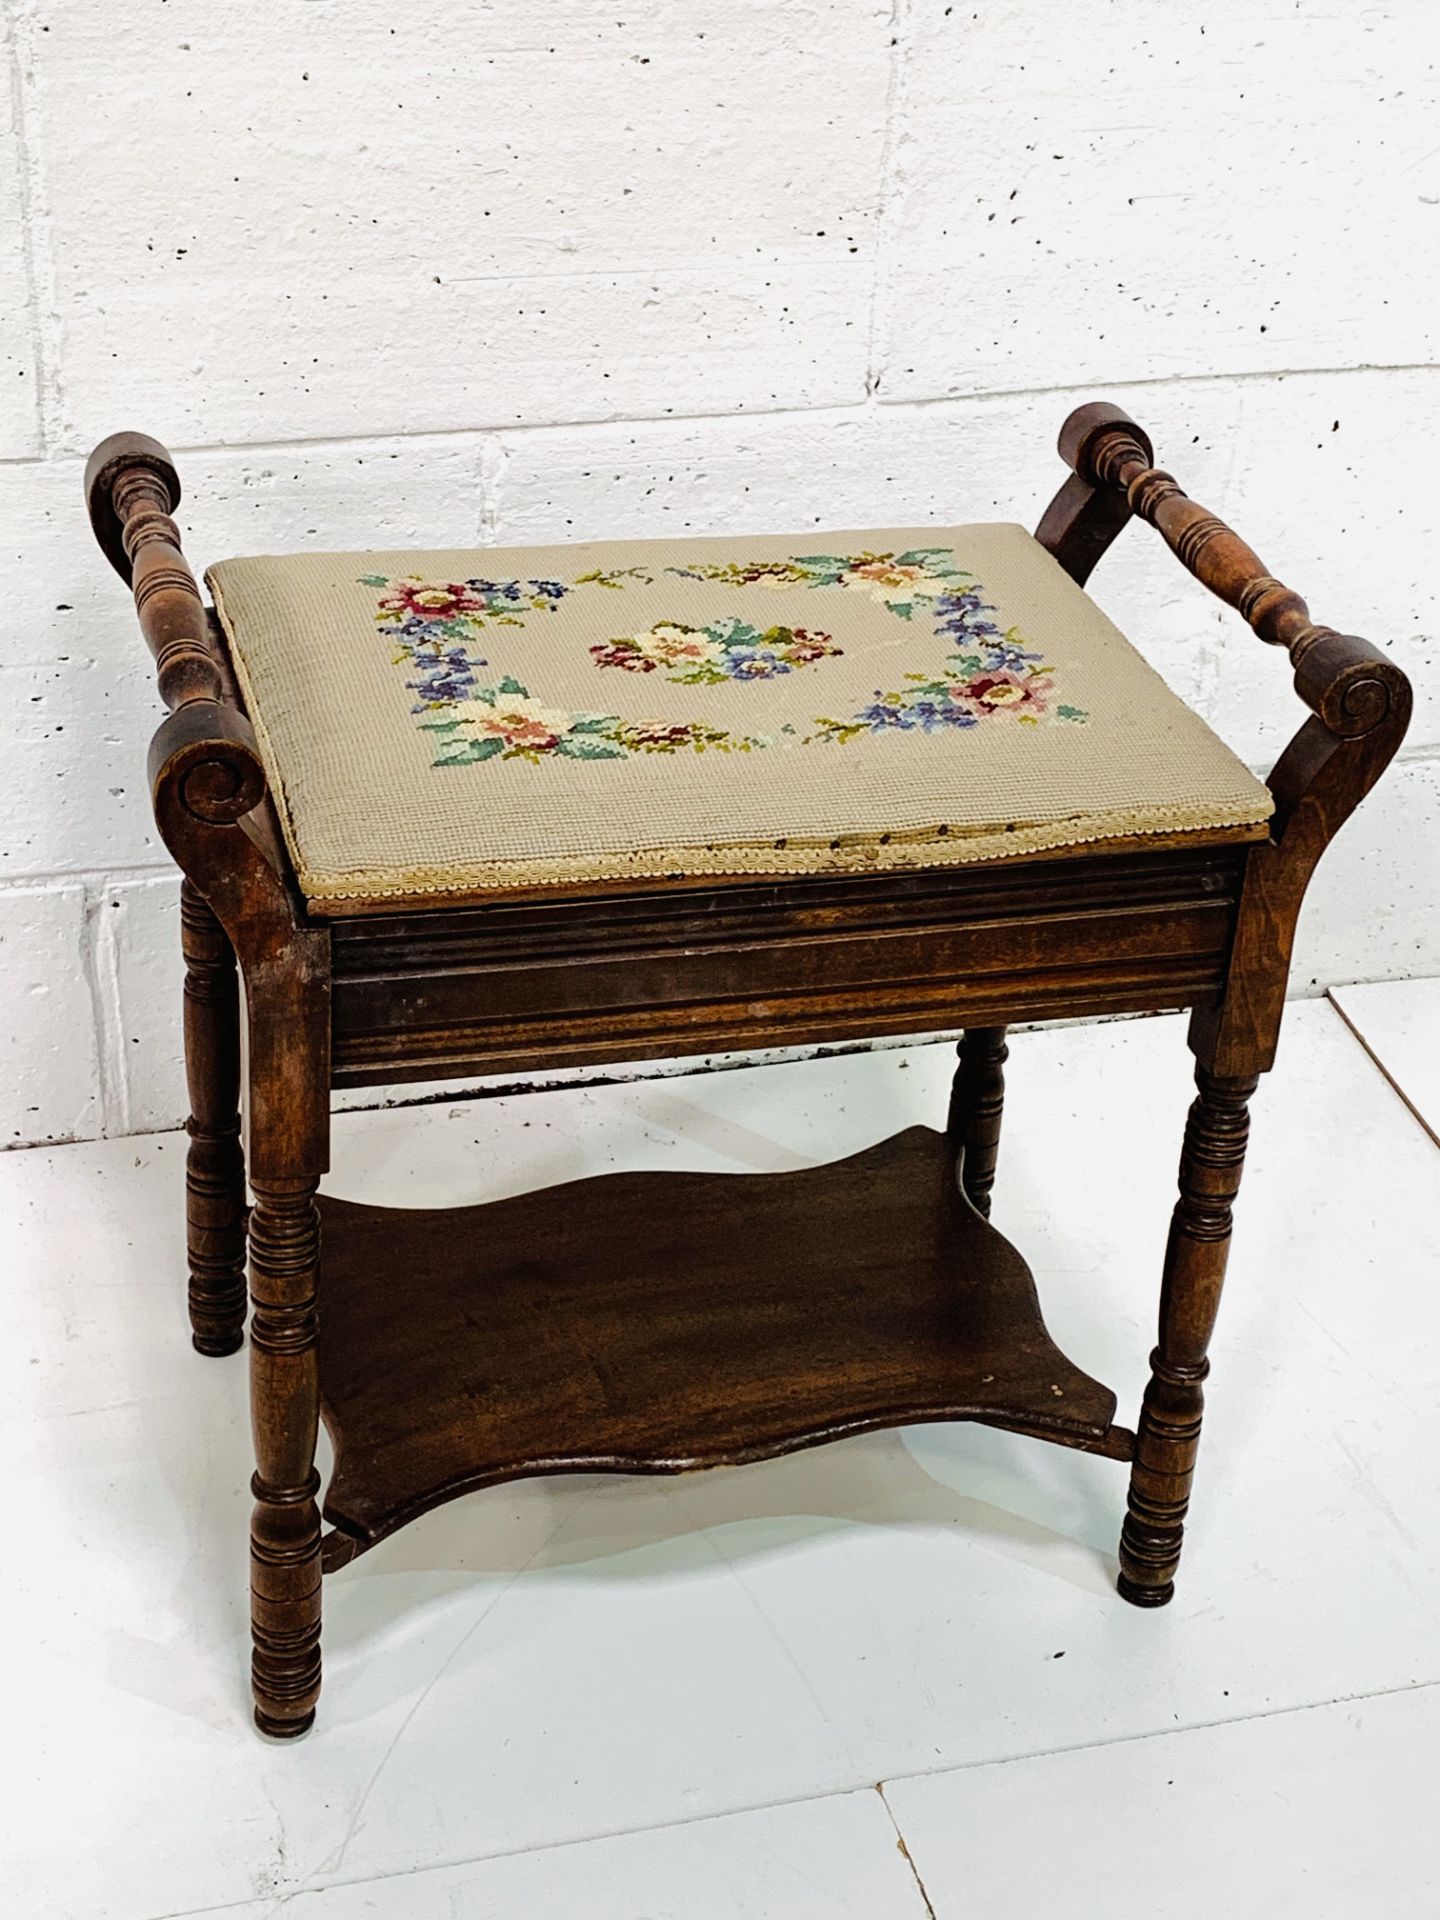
[885, 1678]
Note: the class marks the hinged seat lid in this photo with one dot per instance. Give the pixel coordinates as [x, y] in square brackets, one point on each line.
[437, 724]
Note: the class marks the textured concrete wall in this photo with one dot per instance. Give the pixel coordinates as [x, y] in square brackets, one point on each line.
[492, 271]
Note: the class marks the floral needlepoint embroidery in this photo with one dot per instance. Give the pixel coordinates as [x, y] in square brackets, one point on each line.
[615, 577]
[433, 626]
[995, 682]
[504, 721]
[723, 650]
[900, 581]
[988, 675]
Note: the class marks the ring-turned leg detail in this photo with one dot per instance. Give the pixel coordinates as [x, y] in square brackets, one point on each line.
[1168, 1437]
[284, 1400]
[215, 1159]
[977, 1102]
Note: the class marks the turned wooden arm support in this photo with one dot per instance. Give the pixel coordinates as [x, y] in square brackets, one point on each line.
[1352, 686]
[1360, 701]
[204, 756]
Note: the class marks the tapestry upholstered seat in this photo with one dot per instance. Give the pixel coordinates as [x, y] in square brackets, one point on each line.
[499, 812]
[441, 723]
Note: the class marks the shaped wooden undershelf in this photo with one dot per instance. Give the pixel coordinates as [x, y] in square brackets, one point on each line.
[655, 1322]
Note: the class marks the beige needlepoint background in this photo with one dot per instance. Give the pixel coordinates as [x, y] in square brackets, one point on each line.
[829, 701]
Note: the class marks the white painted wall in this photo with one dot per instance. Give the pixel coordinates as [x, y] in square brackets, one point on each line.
[489, 270]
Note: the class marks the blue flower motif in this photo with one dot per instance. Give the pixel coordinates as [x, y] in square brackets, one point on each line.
[756, 664]
[922, 715]
[963, 615]
[942, 713]
[446, 674]
[1002, 654]
[516, 591]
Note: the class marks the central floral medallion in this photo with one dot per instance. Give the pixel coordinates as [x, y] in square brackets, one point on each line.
[987, 673]
[719, 651]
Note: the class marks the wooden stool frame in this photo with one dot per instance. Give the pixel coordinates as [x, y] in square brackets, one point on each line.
[907, 1305]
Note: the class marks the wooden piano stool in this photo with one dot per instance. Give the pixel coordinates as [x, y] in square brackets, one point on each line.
[463, 813]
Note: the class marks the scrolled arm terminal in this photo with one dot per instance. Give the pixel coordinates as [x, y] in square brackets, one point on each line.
[1359, 698]
[1352, 686]
[204, 756]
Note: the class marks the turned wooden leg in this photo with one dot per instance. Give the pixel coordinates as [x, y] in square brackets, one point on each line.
[977, 1100]
[284, 1401]
[215, 1159]
[1168, 1437]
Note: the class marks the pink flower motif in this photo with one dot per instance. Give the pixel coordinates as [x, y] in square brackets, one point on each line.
[671, 643]
[629, 658]
[805, 647]
[1003, 692]
[413, 599]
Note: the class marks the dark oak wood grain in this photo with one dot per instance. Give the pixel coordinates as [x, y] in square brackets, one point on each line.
[215, 1159]
[1168, 1438]
[207, 787]
[285, 1529]
[653, 1322]
[515, 985]
[977, 1104]
[1361, 703]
